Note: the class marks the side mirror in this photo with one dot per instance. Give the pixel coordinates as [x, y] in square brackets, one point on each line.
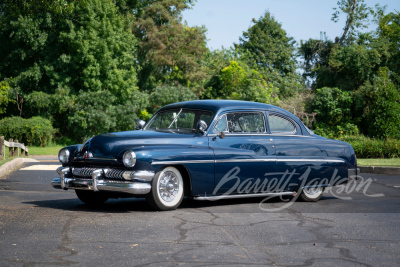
[140, 124]
[220, 135]
[202, 126]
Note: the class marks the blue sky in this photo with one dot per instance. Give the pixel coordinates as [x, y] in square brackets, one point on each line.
[226, 20]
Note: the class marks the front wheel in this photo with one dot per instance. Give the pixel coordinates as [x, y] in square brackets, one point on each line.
[90, 197]
[311, 194]
[166, 190]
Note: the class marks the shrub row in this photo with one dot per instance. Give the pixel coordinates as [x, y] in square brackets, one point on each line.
[35, 131]
[366, 147]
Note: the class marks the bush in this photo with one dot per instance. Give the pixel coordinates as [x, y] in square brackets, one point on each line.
[35, 131]
[366, 147]
[333, 106]
[335, 131]
[379, 103]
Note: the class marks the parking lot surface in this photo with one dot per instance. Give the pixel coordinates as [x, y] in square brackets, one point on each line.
[353, 226]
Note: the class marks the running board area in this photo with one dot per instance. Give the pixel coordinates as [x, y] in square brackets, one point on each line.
[245, 196]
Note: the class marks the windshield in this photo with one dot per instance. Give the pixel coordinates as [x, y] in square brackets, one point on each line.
[179, 119]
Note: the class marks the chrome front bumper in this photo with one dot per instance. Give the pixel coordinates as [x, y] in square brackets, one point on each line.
[138, 183]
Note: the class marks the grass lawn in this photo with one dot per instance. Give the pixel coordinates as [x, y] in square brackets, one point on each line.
[48, 150]
[394, 162]
[7, 159]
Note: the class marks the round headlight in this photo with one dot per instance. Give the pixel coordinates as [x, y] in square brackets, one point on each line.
[63, 155]
[129, 158]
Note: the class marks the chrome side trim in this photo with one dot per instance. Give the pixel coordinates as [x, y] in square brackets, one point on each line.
[245, 196]
[181, 162]
[242, 160]
[311, 160]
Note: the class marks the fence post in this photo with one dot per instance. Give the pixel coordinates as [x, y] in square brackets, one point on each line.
[16, 149]
[2, 148]
[10, 149]
[22, 150]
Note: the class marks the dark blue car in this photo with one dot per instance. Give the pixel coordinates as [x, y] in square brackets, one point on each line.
[207, 150]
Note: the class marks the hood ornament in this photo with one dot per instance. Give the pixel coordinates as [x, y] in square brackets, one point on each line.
[88, 155]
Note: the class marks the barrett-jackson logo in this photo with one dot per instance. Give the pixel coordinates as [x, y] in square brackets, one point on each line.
[88, 155]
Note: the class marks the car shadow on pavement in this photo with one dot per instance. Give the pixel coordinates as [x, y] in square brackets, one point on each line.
[126, 205]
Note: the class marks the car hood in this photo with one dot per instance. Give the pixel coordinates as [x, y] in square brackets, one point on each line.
[113, 145]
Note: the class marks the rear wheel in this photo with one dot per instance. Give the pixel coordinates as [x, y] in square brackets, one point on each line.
[90, 197]
[166, 190]
[311, 194]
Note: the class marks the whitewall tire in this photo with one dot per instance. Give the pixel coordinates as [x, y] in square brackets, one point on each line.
[166, 190]
[311, 194]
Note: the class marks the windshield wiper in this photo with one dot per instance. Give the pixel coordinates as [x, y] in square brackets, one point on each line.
[175, 119]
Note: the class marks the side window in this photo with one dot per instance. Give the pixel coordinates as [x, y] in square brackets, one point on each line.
[280, 125]
[221, 125]
[241, 122]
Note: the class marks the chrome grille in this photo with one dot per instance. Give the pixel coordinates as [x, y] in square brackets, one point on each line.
[86, 173]
[83, 172]
[114, 174]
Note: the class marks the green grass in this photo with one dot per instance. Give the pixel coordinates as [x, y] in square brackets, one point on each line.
[7, 158]
[394, 162]
[47, 150]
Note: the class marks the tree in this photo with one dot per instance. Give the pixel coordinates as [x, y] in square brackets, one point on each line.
[238, 81]
[168, 50]
[4, 99]
[389, 31]
[357, 14]
[53, 57]
[267, 48]
[316, 55]
[379, 103]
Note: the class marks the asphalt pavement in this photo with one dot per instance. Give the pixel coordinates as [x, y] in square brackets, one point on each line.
[357, 225]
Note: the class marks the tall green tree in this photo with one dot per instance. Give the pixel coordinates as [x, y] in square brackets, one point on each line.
[52, 57]
[357, 17]
[168, 50]
[267, 48]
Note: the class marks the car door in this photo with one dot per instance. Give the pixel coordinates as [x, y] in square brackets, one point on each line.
[243, 155]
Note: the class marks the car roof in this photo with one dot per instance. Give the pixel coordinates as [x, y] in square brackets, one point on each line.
[218, 106]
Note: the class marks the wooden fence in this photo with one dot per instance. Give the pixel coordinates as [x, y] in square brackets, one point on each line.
[13, 148]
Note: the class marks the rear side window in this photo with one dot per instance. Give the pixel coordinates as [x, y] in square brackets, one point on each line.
[279, 124]
[241, 122]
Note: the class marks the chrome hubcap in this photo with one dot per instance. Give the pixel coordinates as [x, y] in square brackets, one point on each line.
[312, 190]
[168, 186]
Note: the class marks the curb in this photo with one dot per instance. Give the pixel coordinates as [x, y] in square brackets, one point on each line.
[379, 170]
[11, 165]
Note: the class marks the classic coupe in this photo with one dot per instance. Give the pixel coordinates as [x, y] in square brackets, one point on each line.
[207, 150]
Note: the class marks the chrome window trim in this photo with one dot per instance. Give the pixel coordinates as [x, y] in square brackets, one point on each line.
[283, 117]
[229, 133]
[265, 134]
[220, 118]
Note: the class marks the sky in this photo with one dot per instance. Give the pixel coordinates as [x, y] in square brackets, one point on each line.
[226, 20]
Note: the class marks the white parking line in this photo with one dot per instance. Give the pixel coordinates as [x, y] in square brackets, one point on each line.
[40, 168]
